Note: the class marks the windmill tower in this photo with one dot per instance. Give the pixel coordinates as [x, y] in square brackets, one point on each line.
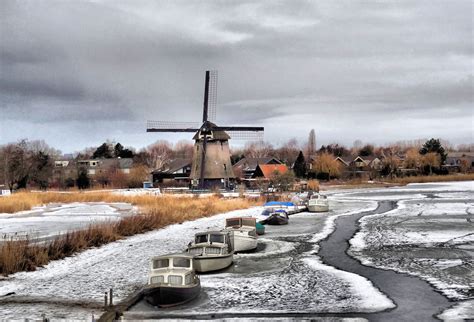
[211, 165]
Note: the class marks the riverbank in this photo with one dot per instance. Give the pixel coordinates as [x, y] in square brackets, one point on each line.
[24, 254]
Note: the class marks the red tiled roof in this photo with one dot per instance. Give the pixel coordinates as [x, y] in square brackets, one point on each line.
[269, 169]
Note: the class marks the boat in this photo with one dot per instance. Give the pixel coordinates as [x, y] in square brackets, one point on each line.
[212, 251]
[260, 229]
[243, 233]
[172, 280]
[318, 203]
[289, 207]
[277, 217]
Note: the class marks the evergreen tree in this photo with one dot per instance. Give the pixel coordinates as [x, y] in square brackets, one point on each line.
[300, 166]
[434, 145]
[83, 181]
[102, 151]
[118, 150]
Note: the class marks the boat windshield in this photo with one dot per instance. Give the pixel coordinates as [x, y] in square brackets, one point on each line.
[201, 239]
[196, 250]
[181, 262]
[175, 280]
[248, 222]
[233, 222]
[217, 238]
[213, 250]
[161, 263]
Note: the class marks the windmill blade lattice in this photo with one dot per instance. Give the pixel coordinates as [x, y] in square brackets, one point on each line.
[166, 126]
[212, 102]
[246, 135]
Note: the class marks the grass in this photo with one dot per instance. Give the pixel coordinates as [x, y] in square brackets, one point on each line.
[155, 212]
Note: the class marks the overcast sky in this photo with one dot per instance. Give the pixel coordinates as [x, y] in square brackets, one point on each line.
[76, 73]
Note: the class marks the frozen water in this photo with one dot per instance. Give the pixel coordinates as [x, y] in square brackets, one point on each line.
[51, 220]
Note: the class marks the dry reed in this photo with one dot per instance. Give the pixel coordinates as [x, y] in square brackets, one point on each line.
[155, 212]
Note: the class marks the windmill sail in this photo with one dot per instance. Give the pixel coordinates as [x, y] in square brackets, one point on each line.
[211, 158]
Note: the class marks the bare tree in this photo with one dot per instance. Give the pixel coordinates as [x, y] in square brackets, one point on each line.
[412, 158]
[160, 153]
[258, 149]
[327, 163]
[431, 160]
[183, 149]
[288, 152]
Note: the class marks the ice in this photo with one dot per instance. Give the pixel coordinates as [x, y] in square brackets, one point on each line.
[51, 220]
[459, 312]
[431, 237]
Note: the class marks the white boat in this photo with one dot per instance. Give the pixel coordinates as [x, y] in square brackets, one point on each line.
[172, 280]
[318, 203]
[212, 251]
[243, 233]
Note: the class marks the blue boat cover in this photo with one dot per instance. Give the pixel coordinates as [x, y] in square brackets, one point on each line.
[279, 203]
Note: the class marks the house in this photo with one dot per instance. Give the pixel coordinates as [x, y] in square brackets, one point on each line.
[460, 161]
[246, 167]
[95, 167]
[178, 171]
[267, 171]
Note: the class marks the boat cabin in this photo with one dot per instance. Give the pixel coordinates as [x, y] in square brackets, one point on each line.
[239, 222]
[211, 243]
[173, 269]
[318, 196]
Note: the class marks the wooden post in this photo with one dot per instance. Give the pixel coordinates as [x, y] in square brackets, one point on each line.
[111, 297]
[105, 300]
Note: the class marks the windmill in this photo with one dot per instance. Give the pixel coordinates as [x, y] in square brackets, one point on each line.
[211, 165]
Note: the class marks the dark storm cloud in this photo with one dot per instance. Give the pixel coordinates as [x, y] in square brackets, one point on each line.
[348, 69]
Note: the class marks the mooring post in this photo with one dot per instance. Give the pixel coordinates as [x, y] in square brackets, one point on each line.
[105, 300]
[111, 297]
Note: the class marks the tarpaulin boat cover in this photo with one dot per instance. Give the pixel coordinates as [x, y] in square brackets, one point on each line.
[279, 203]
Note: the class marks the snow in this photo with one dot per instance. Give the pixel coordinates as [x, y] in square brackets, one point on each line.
[459, 312]
[368, 296]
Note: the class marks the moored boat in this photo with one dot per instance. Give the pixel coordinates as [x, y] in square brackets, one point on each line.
[318, 203]
[212, 251]
[278, 217]
[260, 229]
[172, 280]
[243, 233]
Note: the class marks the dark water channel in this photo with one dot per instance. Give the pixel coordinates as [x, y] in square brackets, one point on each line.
[415, 299]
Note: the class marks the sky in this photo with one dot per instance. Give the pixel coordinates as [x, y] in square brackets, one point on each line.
[76, 73]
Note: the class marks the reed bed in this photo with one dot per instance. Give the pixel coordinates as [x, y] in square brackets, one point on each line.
[155, 212]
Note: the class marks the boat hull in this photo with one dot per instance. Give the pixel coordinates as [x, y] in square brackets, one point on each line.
[167, 295]
[275, 220]
[244, 243]
[318, 208]
[260, 229]
[204, 264]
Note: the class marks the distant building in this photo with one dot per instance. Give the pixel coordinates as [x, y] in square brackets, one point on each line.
[177, 171]
[246, 167]
[267, 171]
[459, 161]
